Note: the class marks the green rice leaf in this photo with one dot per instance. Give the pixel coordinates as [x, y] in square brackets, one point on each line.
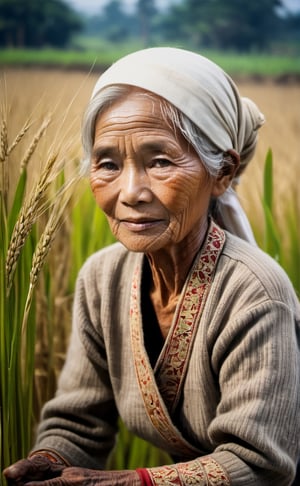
[268, 180]
[17, 201]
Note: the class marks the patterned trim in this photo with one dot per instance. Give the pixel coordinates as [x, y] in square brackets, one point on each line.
[155, 407]
[161, 395]
[202, 472]
[174, 361]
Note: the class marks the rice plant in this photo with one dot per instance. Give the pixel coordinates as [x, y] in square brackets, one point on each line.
[25, 244]
[281, 241]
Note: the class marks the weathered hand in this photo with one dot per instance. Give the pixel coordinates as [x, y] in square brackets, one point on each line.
[78, 476]
[35, 468]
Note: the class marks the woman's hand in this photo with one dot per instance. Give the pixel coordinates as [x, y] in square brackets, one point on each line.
[38, 467]
[78, 476]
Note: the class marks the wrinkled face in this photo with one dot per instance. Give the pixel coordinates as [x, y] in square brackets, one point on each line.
[146, 177]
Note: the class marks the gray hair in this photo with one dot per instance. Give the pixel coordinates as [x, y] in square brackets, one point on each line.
[212, 158]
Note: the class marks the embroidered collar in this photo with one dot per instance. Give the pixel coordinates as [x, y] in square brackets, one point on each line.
[161, 390]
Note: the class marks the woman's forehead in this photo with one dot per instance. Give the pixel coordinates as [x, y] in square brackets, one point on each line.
[136, 107]
[141, 116]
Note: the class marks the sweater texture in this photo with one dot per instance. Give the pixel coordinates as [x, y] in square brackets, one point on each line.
[239, 402]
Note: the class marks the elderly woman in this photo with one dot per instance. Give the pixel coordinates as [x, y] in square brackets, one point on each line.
[182, 328]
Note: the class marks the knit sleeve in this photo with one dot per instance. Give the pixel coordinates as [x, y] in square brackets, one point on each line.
[80, 422]
[256, 428]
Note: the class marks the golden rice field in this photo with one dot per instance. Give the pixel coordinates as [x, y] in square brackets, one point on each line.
[65, 93]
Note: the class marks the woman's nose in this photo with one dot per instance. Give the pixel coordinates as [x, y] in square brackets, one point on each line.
[135, 186]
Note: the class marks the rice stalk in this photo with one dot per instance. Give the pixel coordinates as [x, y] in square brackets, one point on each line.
[293, 254]
[12, 397]
[3, 142]
[281, 238]
[3, 156]
[44, 381]
[271, 234]
[42, 249]
[34, 144]
[61, 263]
[22, 261]
[53, 307]
[28, 216]
[18, 137]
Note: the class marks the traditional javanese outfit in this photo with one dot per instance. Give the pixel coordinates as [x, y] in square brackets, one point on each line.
[220, 394]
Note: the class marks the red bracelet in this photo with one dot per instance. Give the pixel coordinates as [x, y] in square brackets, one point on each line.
[144, 477]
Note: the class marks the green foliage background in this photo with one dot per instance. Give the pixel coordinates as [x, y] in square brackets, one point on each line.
[216, 24]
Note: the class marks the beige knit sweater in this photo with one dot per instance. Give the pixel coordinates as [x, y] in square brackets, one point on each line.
[239, 404]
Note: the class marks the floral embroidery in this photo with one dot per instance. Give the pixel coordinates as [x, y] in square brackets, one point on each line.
[200, 472]
[156, 408]
[216, 475]
[161, 395]
[179, 345]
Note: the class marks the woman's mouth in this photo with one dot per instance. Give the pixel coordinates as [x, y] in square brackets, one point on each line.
[140, 224]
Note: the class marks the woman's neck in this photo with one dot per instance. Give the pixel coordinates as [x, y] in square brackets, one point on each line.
[169, 268]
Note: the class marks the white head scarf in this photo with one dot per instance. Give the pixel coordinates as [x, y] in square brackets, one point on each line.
[206, 95]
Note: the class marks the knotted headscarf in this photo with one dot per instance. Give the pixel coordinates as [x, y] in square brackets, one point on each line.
[205, 94]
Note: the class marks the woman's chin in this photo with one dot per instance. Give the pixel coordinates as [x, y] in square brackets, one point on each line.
[142, 244]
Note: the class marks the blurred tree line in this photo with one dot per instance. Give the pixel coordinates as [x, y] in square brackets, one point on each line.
[37, 23]
[220, 24]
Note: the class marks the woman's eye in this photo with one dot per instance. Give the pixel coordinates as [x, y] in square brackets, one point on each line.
[106, 165]
[161, 163]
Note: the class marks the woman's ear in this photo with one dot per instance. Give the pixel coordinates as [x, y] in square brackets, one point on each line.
[231, 163]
